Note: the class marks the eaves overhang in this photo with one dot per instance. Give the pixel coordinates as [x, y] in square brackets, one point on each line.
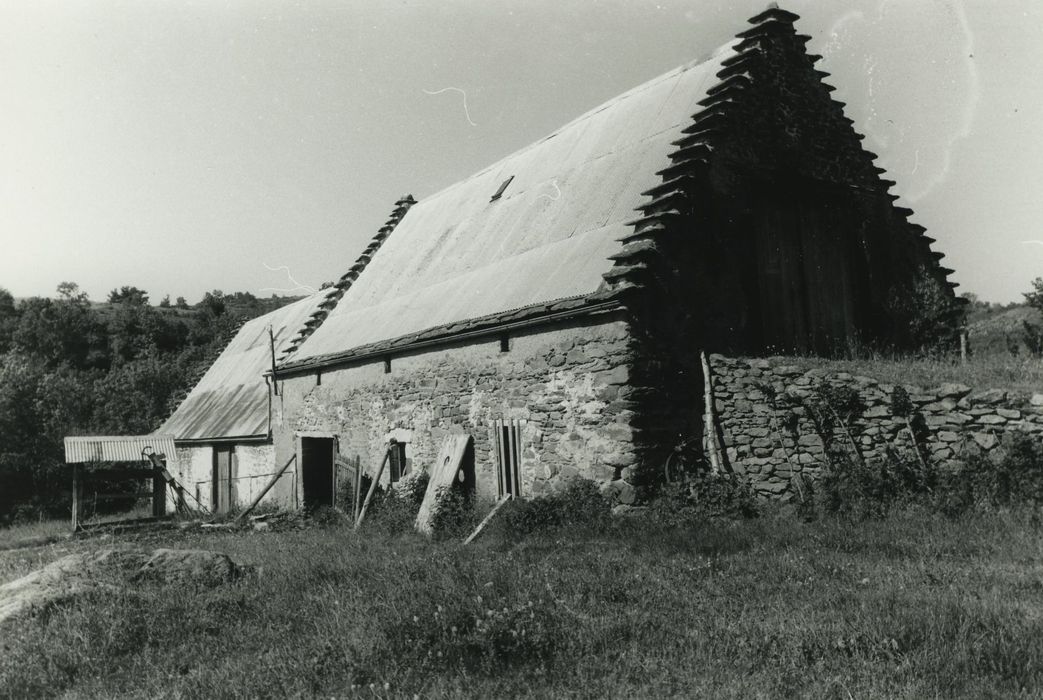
[495, 324]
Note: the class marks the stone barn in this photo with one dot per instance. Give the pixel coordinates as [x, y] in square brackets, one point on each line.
[554, 305]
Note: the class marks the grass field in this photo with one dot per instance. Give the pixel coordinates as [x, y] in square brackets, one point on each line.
[915, 606]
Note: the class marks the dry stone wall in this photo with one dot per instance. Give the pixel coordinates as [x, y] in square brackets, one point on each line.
[766, 411]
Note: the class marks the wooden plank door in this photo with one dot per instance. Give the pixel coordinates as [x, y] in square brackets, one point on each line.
[224, 479]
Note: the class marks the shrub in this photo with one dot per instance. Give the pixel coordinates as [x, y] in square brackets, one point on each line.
[1012, 477]
[578, 506]
[454, 515]
[702, 495]
[722, 495]
[394, 510]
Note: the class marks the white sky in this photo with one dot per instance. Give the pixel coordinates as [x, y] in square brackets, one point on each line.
[183, 146]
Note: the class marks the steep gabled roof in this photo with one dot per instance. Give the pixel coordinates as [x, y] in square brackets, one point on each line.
[465, 254]
[569, 222]
[231, 398]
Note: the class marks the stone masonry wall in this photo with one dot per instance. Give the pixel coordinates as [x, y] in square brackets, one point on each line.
[755, 399]
[562, 382]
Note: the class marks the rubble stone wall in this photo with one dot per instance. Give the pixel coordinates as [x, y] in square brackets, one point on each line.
[765, 410]
[564, 383]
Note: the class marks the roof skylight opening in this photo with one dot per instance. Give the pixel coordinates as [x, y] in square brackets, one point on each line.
[499, 192]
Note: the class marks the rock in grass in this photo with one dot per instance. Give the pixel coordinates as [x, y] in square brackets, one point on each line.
[198, 566]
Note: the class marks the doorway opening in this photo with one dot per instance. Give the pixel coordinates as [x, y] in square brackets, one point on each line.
[317, 471]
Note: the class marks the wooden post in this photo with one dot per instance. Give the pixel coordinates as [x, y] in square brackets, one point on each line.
[159, 494]
[709, 417]
[333, 476]
[77, 496]
[963, 345]
[486, 519]
[266, 489]
[372, 488]
[357, 489]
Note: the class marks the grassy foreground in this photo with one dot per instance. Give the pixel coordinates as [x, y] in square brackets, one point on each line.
[915, 606]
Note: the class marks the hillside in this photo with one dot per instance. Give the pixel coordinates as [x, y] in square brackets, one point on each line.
[995, 329]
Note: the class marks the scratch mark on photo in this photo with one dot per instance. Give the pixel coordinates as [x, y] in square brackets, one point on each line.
[297, 285]
[558, 189]
[455, 89]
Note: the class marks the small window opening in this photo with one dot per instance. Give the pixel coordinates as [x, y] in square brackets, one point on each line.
[508, 454]
[387, 365]
[505, 343]
[397, 461]
[499, 192]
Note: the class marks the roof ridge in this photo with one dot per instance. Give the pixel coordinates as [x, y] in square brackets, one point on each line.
[337, 291]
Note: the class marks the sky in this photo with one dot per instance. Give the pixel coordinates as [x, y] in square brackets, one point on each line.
[257, 145]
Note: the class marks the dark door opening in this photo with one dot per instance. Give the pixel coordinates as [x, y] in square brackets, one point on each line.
[317, 471]
[222, 485]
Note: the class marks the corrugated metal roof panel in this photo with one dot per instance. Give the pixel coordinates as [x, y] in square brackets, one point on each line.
[231, 399]
[457, 256]
[123, 448]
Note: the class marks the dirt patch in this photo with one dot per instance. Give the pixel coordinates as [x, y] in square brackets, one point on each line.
[113, 569]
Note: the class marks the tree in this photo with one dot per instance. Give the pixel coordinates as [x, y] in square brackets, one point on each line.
[1035, 297]
[8, 319]
[213, 303]
[164, 303]
[1032, 333]
[37, 408]
[70, 291]
[62, 331]
[924, 315]
[181, 303]
[134, 397]
[129, 295]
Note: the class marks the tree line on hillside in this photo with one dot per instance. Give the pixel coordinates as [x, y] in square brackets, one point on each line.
[69, 366]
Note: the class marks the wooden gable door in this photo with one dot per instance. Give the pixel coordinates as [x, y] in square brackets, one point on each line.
[805, 249]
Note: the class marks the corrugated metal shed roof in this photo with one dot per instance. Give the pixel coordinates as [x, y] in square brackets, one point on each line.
[457, 255]
[231, 399]
[124, 448]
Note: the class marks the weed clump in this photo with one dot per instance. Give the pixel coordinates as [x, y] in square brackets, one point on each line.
[454, 515]
[703, 495]
[579, 506]
[857, 490]
[393, 510]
